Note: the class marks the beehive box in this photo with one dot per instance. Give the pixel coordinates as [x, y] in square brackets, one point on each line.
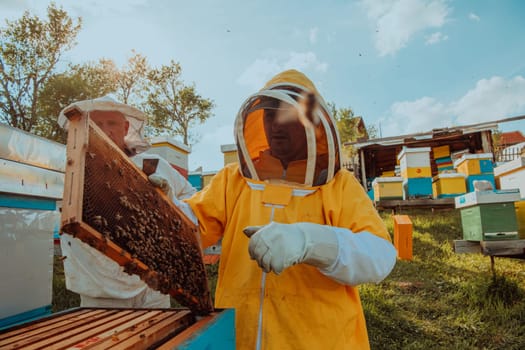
[480, 177]
[388, 188]
[109, 204]
[414, 158]
[441, 151]
[97, 328]
[31, 185]
[489, 222]
[417, 188]
[511, 175]
[449, 185]
[488, 215]
[474, 164]
[520, 217]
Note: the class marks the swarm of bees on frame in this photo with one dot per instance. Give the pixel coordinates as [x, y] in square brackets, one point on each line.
[130, 212]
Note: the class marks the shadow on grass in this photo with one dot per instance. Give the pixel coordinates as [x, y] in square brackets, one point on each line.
[442, 300]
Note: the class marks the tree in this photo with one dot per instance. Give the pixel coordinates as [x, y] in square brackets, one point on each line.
[132, 79]
[351, 128]
[172, 105]
[79, 82]
[30, 49]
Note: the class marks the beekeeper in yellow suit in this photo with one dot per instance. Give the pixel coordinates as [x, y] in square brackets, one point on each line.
[100, 281]
[315, 235]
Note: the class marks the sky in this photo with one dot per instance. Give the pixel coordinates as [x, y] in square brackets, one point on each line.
[405, 66]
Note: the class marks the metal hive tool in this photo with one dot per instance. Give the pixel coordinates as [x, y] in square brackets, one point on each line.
[110, 205]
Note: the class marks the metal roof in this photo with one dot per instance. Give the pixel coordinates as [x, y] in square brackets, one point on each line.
[435, 133]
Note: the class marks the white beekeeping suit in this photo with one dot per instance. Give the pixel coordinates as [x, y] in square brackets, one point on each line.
[100, 281]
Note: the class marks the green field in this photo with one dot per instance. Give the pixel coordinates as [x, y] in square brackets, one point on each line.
[439, 300]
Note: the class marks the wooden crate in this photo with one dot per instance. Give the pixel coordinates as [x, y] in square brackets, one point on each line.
[110, 204]
[403, 236]
[387, 188]
[486, 222]
[449, 185]
[95, 328]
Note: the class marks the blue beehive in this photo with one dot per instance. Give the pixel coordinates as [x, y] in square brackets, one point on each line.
[31, 185]
[417, 187]
[486, 177]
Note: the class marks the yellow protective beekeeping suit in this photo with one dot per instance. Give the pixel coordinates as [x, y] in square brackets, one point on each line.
[300, 308]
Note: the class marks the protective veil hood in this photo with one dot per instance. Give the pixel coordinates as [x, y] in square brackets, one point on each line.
[288, 93]
[134, 140]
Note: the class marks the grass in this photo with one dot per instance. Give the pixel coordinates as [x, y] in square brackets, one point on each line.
[438, 300]
[443, 300]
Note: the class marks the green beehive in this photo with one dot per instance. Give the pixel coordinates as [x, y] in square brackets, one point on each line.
[489, 222]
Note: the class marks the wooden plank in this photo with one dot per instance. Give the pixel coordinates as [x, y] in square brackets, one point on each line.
[30, 326]
[114, 335]
[416, 202]
[86, 233]
[214, 332]
[100, 332]
[185, 335]
[48, 340]
[503, 248]
[172, 325]
[462, 246]
[38, 330]
[77, 143]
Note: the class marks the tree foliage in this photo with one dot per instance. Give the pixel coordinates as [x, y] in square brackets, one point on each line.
[30, 49]
[132, 79]
[78, 82]
[33, 92]
[173, 106]
[351, 128]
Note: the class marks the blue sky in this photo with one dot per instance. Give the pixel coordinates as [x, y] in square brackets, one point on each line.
[404, 65]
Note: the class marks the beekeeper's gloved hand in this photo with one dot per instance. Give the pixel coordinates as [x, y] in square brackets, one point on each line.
[162, 183]
[276, 246]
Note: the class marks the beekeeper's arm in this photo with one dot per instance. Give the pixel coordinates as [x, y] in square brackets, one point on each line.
[338, 253]
[169, 180]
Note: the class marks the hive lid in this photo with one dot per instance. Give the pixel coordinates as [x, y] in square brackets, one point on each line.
[510, 166]
[487, 197]
[470, 156]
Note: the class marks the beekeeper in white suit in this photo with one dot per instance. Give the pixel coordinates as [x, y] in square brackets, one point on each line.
[100, 281]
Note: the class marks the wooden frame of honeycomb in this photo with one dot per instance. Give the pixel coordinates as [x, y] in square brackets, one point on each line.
[109, 204]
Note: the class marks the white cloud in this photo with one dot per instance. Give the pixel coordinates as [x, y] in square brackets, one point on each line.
[435, 38]
[313, 35]
[396, 22]
[415, 116]
[262, 69]
[490, 99]
[473, 17]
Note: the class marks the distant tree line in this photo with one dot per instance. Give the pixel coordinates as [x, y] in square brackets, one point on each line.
[33, 91]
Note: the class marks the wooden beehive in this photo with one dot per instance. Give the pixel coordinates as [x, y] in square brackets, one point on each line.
[109, 204]
[95, 328]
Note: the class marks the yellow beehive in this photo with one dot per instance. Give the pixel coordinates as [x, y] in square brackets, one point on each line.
[449, 185]
[388, 188]
[441, 151]
[520, 216]
[470, 164]
[403, 236]
[410, 173]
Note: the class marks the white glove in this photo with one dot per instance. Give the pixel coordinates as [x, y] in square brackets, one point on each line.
[276, 246]
[160, 182]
